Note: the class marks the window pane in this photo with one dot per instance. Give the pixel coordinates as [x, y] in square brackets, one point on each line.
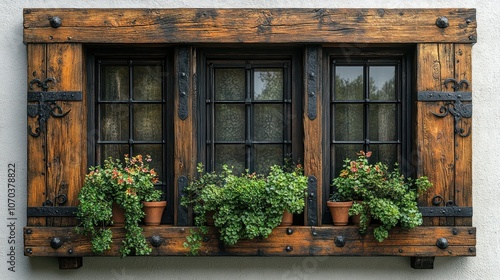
[387, 154]
[348, 83]
[382, 83]
[114, 83]
[114, 122]
[268, 122]
[229, 122]
[232, 155]
[340, 153]
[155, 151]
[113, 150]
[147, 122]
[348, 122]
[147, 82]
[229, 84]
[382, 122]
[268, 84]
[266, 156]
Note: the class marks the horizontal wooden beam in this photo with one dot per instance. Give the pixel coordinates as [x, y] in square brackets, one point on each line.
[356, 26]
[284, 241]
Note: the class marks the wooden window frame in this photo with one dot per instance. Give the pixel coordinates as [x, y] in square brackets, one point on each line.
[442, 38]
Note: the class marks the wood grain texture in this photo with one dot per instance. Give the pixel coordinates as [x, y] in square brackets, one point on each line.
[37, 180]
[66, 136]
[184, 129]
[304, 241]
[443, 155]
[249, 25]
[463, 145]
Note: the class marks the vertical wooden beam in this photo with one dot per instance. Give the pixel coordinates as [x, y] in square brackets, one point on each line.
[313, 124]
[37, 180]
[66, 136]
[435, 136]
[184, 120]
[463, 145]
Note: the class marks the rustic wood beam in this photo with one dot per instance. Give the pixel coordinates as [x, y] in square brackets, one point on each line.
[250, 25]
[284, 241]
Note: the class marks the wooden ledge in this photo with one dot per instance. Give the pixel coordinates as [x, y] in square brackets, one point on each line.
[284, 241]
[249, 26]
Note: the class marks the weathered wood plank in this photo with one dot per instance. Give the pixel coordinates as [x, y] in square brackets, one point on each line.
[66, 136]
[435, 136]
[463, 145]
[37, 183]
[313, 127]
[249, 25]
[303, 241]
[185, 135]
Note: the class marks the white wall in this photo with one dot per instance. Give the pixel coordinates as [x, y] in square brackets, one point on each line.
[486, 137]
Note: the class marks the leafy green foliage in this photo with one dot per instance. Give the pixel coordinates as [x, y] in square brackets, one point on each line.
[245, 206]
[127, 185]
[386, 195]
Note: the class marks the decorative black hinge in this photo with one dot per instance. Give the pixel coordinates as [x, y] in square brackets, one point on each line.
[182, 212]
[312, 74]
[452, 103]
[47, 105]
[183, 81]
[312, 201]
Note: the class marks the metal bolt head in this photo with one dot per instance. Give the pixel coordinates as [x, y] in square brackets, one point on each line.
[442, 22]
[339, 241]
[442, 243]
[55, 22]
[289, 231]
[56, 243]
[289, 248]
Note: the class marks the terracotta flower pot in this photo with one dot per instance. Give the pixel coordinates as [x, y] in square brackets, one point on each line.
[340, 212]
[118, 215]
[153, 211]
[287, 219]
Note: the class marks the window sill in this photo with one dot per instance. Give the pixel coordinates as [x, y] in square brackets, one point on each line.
[284, 241]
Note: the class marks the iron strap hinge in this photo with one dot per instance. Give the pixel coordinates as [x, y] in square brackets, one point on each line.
[312, 201]
[452, 103]
[446, 211]
[47, 105]
[52, 211]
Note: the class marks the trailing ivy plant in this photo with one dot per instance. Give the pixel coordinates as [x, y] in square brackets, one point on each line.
[127, 184]
[244, 206]
[386, 196]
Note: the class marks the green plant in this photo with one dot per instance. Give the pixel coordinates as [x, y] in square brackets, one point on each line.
[386, 195]
[126, 184]
[245, 206]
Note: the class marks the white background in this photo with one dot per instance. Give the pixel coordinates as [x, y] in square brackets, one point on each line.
[486, 187]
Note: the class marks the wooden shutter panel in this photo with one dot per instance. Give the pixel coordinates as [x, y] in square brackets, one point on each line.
[444, 143]
[57, 152]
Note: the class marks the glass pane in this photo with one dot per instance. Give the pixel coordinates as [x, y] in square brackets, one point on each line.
[114, 83]
[268, 84]
[232, 155]
[114, 151]
[229, 84]
[348, 122]
[340, 153]
[382, 122]
[147, 82]
[114, 122]
[268, 122]
[387, 154]
[267, 156]
[147, 122]
[229, 122]
[156, 153]
[348, 83]
[382, 82]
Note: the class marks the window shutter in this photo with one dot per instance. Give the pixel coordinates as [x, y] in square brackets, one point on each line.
[444, 144]
[57, 136]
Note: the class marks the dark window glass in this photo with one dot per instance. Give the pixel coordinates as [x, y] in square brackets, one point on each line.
[248, 115]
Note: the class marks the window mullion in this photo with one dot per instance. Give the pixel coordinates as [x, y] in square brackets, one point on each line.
[248, 117]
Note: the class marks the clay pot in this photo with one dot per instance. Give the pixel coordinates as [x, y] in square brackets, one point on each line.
[153, 211]
[118, 215]
[340, 212]
[287, 219]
